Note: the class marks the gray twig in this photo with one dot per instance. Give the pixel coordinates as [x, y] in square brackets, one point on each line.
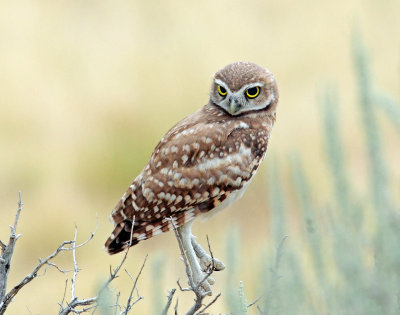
[6, 256]
[209, 304]
[117, 304]
[75, 305]
[176, 307]
[254, 302]
[169, 301]
[93, 302]
[129, 303]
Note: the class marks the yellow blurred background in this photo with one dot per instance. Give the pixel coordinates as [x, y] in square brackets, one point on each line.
[87, 88]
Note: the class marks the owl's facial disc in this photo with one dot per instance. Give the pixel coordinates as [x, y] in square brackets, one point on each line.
[248, 98]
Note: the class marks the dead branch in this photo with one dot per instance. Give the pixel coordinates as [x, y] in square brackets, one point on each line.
[176, 307]
[75, 302]
[254, 302]
[75, 305]
[5, 258]
[169, 301]
[209, 304]
[129, 303]
[93, 303]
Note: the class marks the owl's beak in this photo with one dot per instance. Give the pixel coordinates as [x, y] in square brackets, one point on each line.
[234, 105]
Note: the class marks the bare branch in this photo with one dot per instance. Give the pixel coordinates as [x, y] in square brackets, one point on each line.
[181, 288]
[10, 295]
[169, 301]
[65, 293]
[117, 304]
[176, 307]
[129, 304]
[75, 305]
[6, 256]
[209, 304]
[34, 273]
[254, 302]
[50, 264]
[20, 204]
[73, 280]
[75, 302]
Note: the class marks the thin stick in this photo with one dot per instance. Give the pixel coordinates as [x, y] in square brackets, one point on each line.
[128, 304]
[169, 301]
[176, 307]
[254, 302]
[209, 304]
[73, 280]
[7, 252]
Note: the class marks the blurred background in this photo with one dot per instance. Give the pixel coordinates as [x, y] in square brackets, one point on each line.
[88, 88]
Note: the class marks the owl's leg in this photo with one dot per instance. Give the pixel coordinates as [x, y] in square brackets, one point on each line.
[206, 261]
[185, 234]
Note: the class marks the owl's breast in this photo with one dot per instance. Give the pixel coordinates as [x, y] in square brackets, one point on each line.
[232, 197]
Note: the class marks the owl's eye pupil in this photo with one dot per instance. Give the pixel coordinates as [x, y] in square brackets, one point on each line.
[253, 92]
[222, 90]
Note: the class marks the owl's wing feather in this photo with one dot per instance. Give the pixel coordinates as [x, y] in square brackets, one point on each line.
[192, 170]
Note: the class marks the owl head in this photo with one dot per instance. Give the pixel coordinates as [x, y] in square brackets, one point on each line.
[244, 87]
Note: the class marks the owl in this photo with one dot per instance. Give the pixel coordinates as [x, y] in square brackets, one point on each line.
[203, 164]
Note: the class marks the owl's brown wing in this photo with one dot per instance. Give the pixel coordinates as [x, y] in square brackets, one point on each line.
[194, 168]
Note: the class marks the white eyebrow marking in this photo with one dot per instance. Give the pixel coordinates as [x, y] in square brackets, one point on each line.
[222, 83]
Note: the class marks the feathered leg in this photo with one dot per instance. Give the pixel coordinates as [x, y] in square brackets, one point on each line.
[185, 235]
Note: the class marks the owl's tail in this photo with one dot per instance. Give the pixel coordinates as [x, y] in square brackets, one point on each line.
[124, 235]
[121, 238]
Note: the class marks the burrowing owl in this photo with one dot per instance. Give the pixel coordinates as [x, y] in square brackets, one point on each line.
[203, 164]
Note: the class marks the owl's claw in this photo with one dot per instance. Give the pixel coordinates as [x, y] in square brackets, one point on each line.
[206, 261]
[201, 264]
[205, 284]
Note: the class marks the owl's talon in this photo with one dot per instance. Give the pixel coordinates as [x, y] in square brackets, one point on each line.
[211, 280]
[218, 265]
[205, 285]
[206, 263]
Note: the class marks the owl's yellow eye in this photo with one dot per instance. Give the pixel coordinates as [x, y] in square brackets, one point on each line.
[222, 91]
[253, 92]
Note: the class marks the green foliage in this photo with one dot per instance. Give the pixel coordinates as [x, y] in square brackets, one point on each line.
[157, 272]
[106, 302]
[242, 301]
[232, 269]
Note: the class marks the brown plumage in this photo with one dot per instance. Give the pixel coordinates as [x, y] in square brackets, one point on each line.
[205, 161]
